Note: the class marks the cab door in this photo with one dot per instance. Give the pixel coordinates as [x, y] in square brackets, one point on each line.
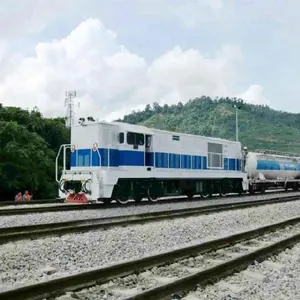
[149, 153]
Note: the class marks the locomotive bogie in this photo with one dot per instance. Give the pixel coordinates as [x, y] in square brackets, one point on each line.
[137, 189]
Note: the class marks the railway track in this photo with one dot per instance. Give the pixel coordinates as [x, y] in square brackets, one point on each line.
[9, 234]
[38, 201]
[72, 207]
[175, 272]
[75, 206]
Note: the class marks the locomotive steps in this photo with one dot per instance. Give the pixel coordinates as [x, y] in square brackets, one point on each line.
[53, 229]
[159, 276]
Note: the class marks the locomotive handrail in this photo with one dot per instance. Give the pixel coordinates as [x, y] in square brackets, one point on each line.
[56, 164]
[64, 160]
[96, 149]
[108, 156]
[99, 155]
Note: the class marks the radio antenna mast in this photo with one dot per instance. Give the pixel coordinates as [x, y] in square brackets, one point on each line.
[69, 103]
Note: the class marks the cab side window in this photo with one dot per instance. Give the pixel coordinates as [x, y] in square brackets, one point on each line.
[148, 141]
[121, 137]
[134, 138]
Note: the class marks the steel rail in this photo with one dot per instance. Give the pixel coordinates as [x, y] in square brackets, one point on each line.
[10, 234]
[59, 286]
[36, 201]
[188, 283]
[143, 202]
[78, 206]
[71, 207]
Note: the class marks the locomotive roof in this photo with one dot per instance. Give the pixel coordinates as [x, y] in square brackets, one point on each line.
[134, 127]
[148, 130]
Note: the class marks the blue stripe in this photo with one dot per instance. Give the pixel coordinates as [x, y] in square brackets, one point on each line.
[86, 158]
[273, 165]
[131, 158]
[73, 159]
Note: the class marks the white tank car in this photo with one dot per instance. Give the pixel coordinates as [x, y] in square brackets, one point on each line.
[266, 165]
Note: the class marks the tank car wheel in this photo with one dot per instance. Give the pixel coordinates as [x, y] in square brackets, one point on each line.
[263, 189]
[122, 200]
[251, 190]
[296, 187]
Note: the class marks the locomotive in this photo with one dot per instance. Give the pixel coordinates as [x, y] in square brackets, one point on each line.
[120, 161]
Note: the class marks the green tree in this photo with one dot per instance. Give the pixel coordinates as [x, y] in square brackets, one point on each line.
[28, 147]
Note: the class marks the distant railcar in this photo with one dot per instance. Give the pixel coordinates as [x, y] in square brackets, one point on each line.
[268, 169]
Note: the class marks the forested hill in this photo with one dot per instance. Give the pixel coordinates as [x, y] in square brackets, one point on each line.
[259, 126]
[28, 147]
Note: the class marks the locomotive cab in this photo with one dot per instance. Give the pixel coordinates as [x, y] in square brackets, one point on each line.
[93, 152]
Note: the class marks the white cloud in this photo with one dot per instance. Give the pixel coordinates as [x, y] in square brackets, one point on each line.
[189, 13]
[214, 4]
[110, 80]
[27, 17]
[194, 12]
[254, 95]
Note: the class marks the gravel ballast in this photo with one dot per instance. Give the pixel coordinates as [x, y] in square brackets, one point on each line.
[227, 289]
[31, 261]
[277, 278]
[63, 216]
[22, 206]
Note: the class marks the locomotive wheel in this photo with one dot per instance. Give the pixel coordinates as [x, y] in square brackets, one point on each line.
[222, 191]
[137, 198]
[151, 196]
[204, 195]
[190, 195]
[106, 200]
[122, 200]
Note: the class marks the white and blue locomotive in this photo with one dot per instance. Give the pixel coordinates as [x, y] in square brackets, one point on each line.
[120, 161]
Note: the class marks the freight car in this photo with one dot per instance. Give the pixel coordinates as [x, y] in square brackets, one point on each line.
[123, 161]
[272, 169]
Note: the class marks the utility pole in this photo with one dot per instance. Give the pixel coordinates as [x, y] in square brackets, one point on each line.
[70, 107]
[236, 122]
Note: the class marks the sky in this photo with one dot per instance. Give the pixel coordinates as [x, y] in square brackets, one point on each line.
[120, 55]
